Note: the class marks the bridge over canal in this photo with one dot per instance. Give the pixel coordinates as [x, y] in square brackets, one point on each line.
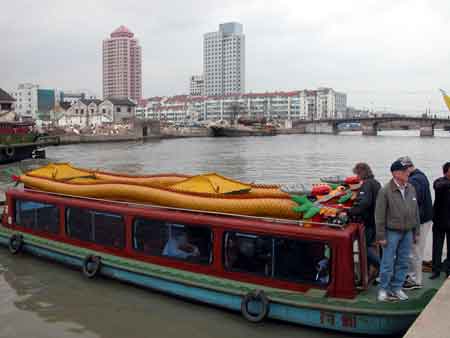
[371, 125]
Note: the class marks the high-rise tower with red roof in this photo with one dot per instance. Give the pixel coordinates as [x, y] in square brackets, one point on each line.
[122, 65]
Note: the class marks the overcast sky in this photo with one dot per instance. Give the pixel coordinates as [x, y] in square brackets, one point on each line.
[384, 54]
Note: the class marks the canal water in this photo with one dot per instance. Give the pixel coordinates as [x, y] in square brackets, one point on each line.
[43, 299]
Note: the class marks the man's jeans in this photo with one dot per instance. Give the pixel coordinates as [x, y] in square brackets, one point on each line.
[394, 263]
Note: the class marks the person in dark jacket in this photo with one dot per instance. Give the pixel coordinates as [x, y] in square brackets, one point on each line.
[441, 221]
[364, 209]
[422, 186]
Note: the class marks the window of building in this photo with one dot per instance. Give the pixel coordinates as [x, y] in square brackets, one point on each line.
[37, 216]
[279, 258]
[117, 109]
[179, 241]
[99, 227]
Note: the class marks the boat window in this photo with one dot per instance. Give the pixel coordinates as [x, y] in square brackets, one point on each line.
[248, 253]
[184, 242]
[78, 224]
[280, 258]
[37, 216]
[102, 228]
[109, 229]
[301, 261]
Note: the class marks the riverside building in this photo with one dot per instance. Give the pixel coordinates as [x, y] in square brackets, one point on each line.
[224, 60]
[122, 65]
[322, 103]
[33, 102]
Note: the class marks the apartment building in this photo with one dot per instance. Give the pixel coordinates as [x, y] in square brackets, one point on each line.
[122, 65]
[224, 60]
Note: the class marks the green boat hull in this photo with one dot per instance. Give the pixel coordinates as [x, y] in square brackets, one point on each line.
[360, 315]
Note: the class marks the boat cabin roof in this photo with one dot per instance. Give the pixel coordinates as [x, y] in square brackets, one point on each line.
[314, 231]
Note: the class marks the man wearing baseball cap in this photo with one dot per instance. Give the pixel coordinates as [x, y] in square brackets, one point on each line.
[422, 186]
[396, 217]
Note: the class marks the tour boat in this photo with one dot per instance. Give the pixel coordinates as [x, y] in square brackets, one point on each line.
[261, 267]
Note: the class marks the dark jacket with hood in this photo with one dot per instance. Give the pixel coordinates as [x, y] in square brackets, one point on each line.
[420, 182]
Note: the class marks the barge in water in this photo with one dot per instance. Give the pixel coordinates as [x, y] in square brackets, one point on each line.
[221, 131]
[20, 141]
[272, 268]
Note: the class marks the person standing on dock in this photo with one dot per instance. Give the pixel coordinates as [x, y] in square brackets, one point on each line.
[397, 220]
[422, 186]
[441, 221]
[364, 208]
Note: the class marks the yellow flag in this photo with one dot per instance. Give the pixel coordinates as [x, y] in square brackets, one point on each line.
[446, 98]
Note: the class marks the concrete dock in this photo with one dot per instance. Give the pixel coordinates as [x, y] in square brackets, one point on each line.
[434, 321]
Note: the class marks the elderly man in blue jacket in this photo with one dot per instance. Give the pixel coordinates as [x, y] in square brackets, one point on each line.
[422, 186]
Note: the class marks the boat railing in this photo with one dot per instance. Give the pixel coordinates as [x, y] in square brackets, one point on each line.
[300, 223]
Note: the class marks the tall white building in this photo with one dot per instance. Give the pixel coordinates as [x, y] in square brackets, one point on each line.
[224, 60]
[196, 85]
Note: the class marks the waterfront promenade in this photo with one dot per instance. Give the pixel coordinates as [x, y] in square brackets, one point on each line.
[433, 322]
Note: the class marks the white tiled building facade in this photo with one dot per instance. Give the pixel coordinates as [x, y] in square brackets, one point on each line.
[323, 103]
[196, 85]
[26, 97]
[224, 60]
[122, 65]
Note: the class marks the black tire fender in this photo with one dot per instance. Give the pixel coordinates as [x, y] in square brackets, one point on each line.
[15, 244]
[10, 151]
[91, 265]
[259, 296]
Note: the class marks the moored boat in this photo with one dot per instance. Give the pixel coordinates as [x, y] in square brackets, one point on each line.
[20, 141]
[263, 268]
[239, 131]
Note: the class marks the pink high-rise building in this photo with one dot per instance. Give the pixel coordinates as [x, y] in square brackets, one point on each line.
[122, 65]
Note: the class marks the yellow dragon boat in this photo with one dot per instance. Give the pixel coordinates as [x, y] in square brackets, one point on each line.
[209, 192]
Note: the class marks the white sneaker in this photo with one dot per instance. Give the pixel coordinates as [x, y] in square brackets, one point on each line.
[400, 294]
[383, 296]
